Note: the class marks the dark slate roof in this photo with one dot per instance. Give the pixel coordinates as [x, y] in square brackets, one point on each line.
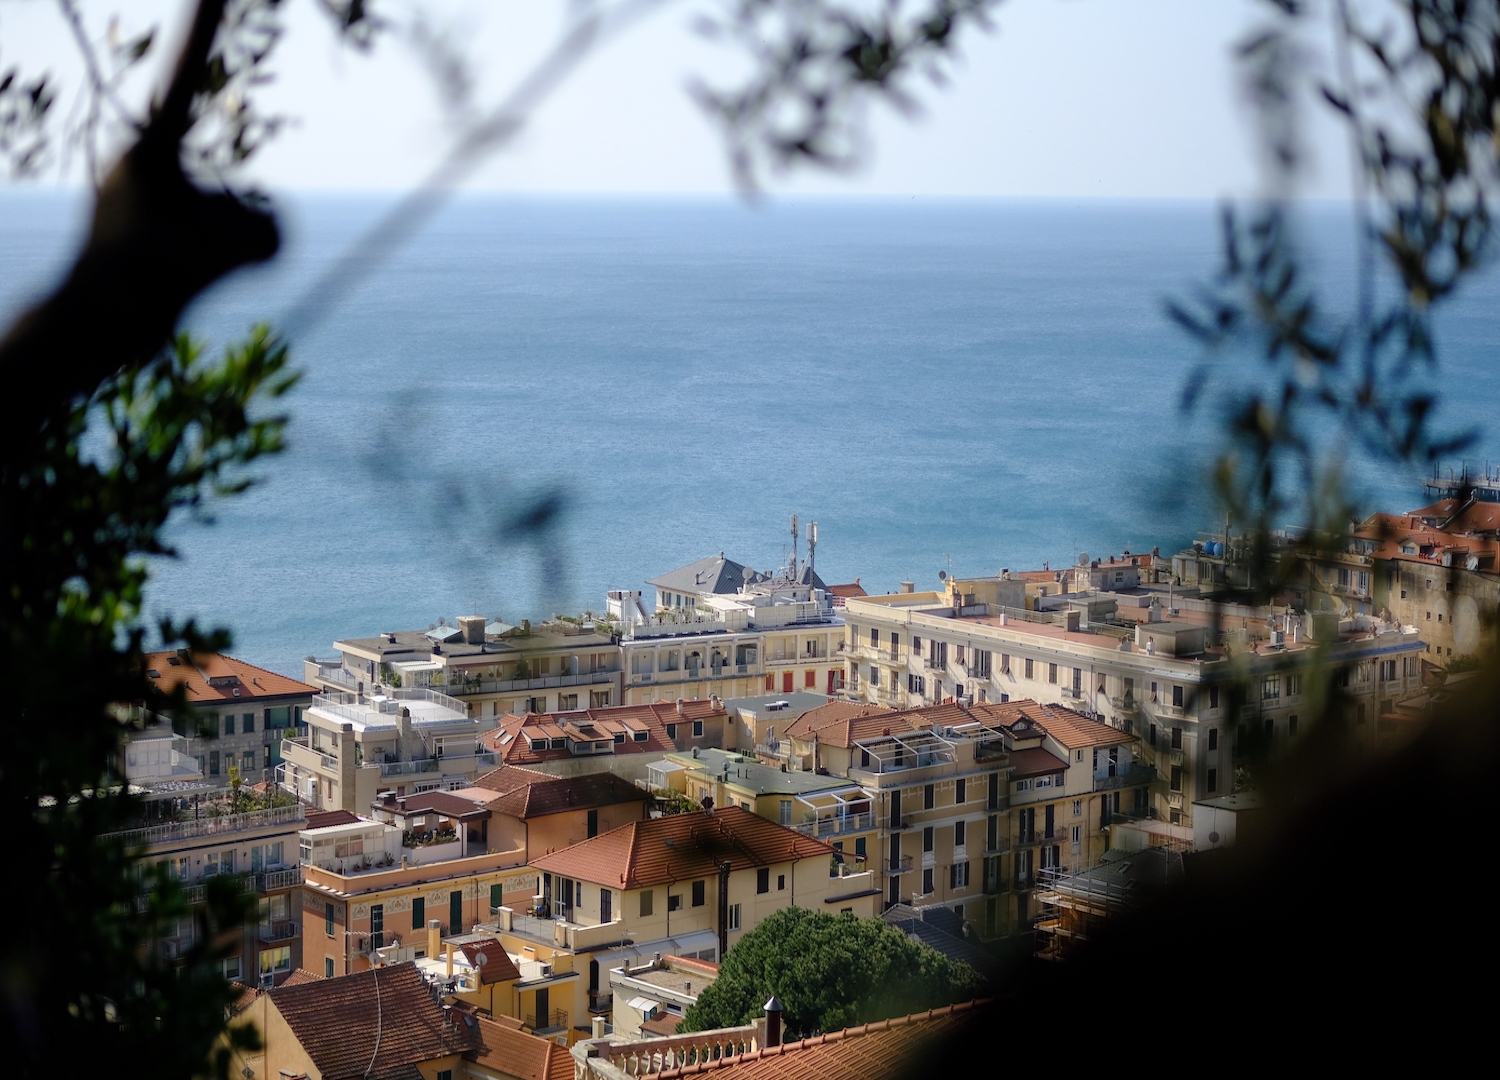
[714, 574]
[941, 929]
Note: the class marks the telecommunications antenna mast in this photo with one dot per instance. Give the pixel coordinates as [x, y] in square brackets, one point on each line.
[794, 547]
[812, 546]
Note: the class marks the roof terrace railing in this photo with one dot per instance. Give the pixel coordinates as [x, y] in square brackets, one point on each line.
[208, 826]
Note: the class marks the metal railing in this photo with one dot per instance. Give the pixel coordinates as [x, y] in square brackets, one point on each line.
[292, 748]
[270, 880]
[837, 826]
[1135, 774]
[208, 826]
[279, 931]
[557, 1018]
[1029, 839]
[541, 682]
[900, 865]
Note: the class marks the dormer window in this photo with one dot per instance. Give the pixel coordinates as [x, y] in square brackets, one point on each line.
[538, 744]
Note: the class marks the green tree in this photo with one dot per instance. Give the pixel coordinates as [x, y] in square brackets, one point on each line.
[828, 972]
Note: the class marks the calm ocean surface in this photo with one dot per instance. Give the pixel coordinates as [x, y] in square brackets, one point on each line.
[974, 384]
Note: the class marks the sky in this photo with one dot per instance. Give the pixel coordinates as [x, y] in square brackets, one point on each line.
[1062, 98]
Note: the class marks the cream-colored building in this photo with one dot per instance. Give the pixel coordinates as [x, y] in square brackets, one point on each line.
[1131, 661]
[400, 740]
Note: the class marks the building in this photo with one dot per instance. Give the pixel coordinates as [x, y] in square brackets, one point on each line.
[538, 813]
[730, 778]
[594, 739]
[1075, 905]
[370, 888]
[759, 722]
[1133, 661]
[651, 999]
[691, 884]
[881, 1050]
[362, 743]
[385, 1024]
[258, 850]
[492, 667]
[247, 709]
[718, 627]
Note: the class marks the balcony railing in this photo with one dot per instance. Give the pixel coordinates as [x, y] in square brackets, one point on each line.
[466, 687]
[271, 880]
[837, 826]
[299, 752]
[1030, 839]
[1135, 774]
[283, 930]
[556, 1020]
[209, 826]
[900, 865]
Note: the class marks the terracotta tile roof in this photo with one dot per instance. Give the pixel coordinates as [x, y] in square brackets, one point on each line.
[540, 794]
[679, 847]
[508, 778]
[497, 965]
[338, 1022]
[883, 1050]
[213, 678]
[1073, 730]
[854, 588]
[823, 716]
[511, 740]
[693, 963]
[1034, 761]
[301, 977]
[321, 819]
[661, 1026]
[507, 1050]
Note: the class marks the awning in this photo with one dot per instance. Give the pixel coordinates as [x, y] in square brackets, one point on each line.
[634, 955]
[646, 1005]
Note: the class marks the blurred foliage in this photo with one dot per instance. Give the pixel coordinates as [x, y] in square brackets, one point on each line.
[828, 972]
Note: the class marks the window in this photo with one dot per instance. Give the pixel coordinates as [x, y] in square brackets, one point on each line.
[916, 684]
[1213, 697]
[231, 967]
[1213, 738]
[377, 925]
[895, 643]
[1005, 663]
[929, 797]
[763, 880]
[960, 792]
[328, 919]
[1028, 667]
[674, 901]
[1176, 777]
[699, 892]
[327, 967]
[229, 723]
[1213, 779]
[247, 724]
[646, 895]
[927, 844]
[1387, 670]
[1077, 834]
[1177, 697]
[958, 876]
[671, 731]
[780, 882]
[273, 961]
[1270, 687]
[1291, 725]
[927, 880]
[916, 644]
[959, 833]
[1077, 807]
[213, 763]
[1052, 674]
[875, 676]
[419, 911]
[1177, 738]
[697, 729]
[641, 736]
[874, 639]
[734, 916]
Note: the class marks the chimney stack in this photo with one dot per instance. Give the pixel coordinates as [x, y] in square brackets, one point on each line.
[598, 1027]
[472, 627]
[434, 938]
[773, 1022]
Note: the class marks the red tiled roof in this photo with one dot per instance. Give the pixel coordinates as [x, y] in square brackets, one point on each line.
[661, 1026]
[438, 802]
[539, 794]
[883, 1050]
[833, 713]
[693, 963]
[854, 588]
[339, 1023]
[512, 1052]
[1034, 762]
[679, 847]
[213, 678]
[511, 740]
[497, 965]
[322, 819]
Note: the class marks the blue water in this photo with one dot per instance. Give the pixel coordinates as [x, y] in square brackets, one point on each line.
[968, 384]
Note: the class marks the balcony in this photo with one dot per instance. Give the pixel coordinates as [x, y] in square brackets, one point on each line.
[1135, 774]
[468, 687]
[548, 1023]
[1031, 839]
[901, 865]
[998, 846]
[1073, 692]
[210, 826]
[836, 826]
[299, 753]
[281, 930]
[272, 880]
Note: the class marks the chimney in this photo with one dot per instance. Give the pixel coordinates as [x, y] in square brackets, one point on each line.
[434, 938]
[473, 629]
[907, 587]
[598, 1027]
[773, 1022]
[681, 707]
[448, 956]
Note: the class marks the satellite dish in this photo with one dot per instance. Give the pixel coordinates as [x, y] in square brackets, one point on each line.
[1213, 837]
[480, 959]
[942, 575]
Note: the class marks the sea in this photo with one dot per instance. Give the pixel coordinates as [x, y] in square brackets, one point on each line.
[529, 401]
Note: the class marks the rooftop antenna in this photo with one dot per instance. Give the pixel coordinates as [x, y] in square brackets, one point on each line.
[812, 543]
[794, 547]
